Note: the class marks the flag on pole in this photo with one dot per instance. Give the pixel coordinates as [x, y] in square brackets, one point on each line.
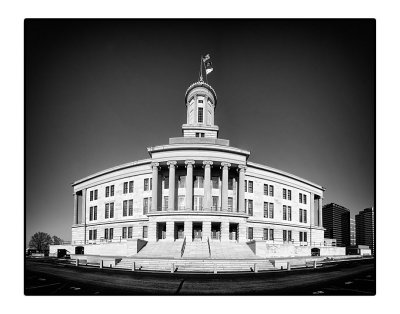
[207, 64]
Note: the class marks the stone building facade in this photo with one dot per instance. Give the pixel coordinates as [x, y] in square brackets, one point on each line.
[197, 187]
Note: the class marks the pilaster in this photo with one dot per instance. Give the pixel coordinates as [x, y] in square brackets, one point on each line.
[224, 231]
[206, 230]
[188, 225]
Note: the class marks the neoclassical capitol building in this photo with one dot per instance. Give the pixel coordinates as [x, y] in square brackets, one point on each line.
[197, 197]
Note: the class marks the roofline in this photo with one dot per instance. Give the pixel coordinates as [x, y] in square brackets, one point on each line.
[119, 167]
[286, 174]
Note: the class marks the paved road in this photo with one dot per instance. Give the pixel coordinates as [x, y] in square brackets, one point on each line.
[347, 278]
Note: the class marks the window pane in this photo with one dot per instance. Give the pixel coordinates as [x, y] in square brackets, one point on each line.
[266, 189]
[130, 186]
[271, 190]
[124, 208]
[130, 207]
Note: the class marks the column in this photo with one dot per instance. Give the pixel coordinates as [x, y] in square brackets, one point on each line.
[188, 225]
[320, 211]
[171, 194]
[75, 208]
[242, 232]
[154, 192]
[224, 231]
[189, 184]
[206, 230]
[84, 214]
[207, 185]
[241, 208]
[224, 192]
[312, 214]
[170, 231]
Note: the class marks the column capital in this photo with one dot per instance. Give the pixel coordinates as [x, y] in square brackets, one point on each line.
[225, 164]
[242, 167]
[171, 163]
[155, 164]
[207, 163]
[189, 163]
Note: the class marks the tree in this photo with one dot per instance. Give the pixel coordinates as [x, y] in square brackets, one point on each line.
[56, 240]
[40, 241]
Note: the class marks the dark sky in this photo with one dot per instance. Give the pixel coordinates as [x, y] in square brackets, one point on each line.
[299, 94]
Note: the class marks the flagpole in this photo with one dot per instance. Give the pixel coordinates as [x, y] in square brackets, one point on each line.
[201, 68]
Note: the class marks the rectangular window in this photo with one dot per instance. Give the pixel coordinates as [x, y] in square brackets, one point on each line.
[107, 191]
[130, 232]
[245, 185]
[198, 182]
[301, 236]
[145, 205]
[130, 213]
[95, 213]
[106, 234]
[95, 194]
[271, 210]
[289, 195]
[91, 213]
[111, 210]
[230, 204]
[90, 235]
[289, 236]
[166, 182]
[250, 204]
[182, 182]
[289, 211]
[200, 115]
[266, 189]
[112, 190]
[300, 198]
[130, 186]
[271, 190]
[146, 184]
[215, 182]
[284, 235]
[230, 184]
[111, 235]
[125, 208]
[91, 195]
[165, 202]
[245, 205]
[145, 230]
[125, 187]
[250, 233]
[265, 234]
[124, 233]
[304, 199]
[271, 234]
[265, 210]
[284, 212]
[198, 202]
[305, 216]
[181, 202]
[94, 234]
[284, 194]
[300, 215]
[215, 200]
[107, 211]
[305, 237]
[250, 186]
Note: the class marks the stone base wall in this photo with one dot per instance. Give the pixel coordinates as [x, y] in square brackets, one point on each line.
[332, 251]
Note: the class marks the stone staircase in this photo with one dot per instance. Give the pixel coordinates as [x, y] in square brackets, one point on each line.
[161, 249]
[196, 250]
[231, 250]
[188, 265]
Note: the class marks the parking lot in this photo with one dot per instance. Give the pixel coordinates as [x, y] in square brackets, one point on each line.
[47, 277]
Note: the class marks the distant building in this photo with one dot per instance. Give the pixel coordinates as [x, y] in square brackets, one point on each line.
[365, 228]
[353, 232]
[336, 221]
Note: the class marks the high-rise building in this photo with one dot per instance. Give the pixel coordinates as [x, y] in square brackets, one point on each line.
[336, 221]
[352, 232]
[365, 228]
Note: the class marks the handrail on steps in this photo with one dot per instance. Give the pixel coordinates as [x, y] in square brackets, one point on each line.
[183, 247]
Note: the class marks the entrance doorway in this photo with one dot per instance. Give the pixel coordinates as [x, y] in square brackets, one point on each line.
[233, 231]
[197, 231]
[179, 230]
[216, 231]
[161, 230]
